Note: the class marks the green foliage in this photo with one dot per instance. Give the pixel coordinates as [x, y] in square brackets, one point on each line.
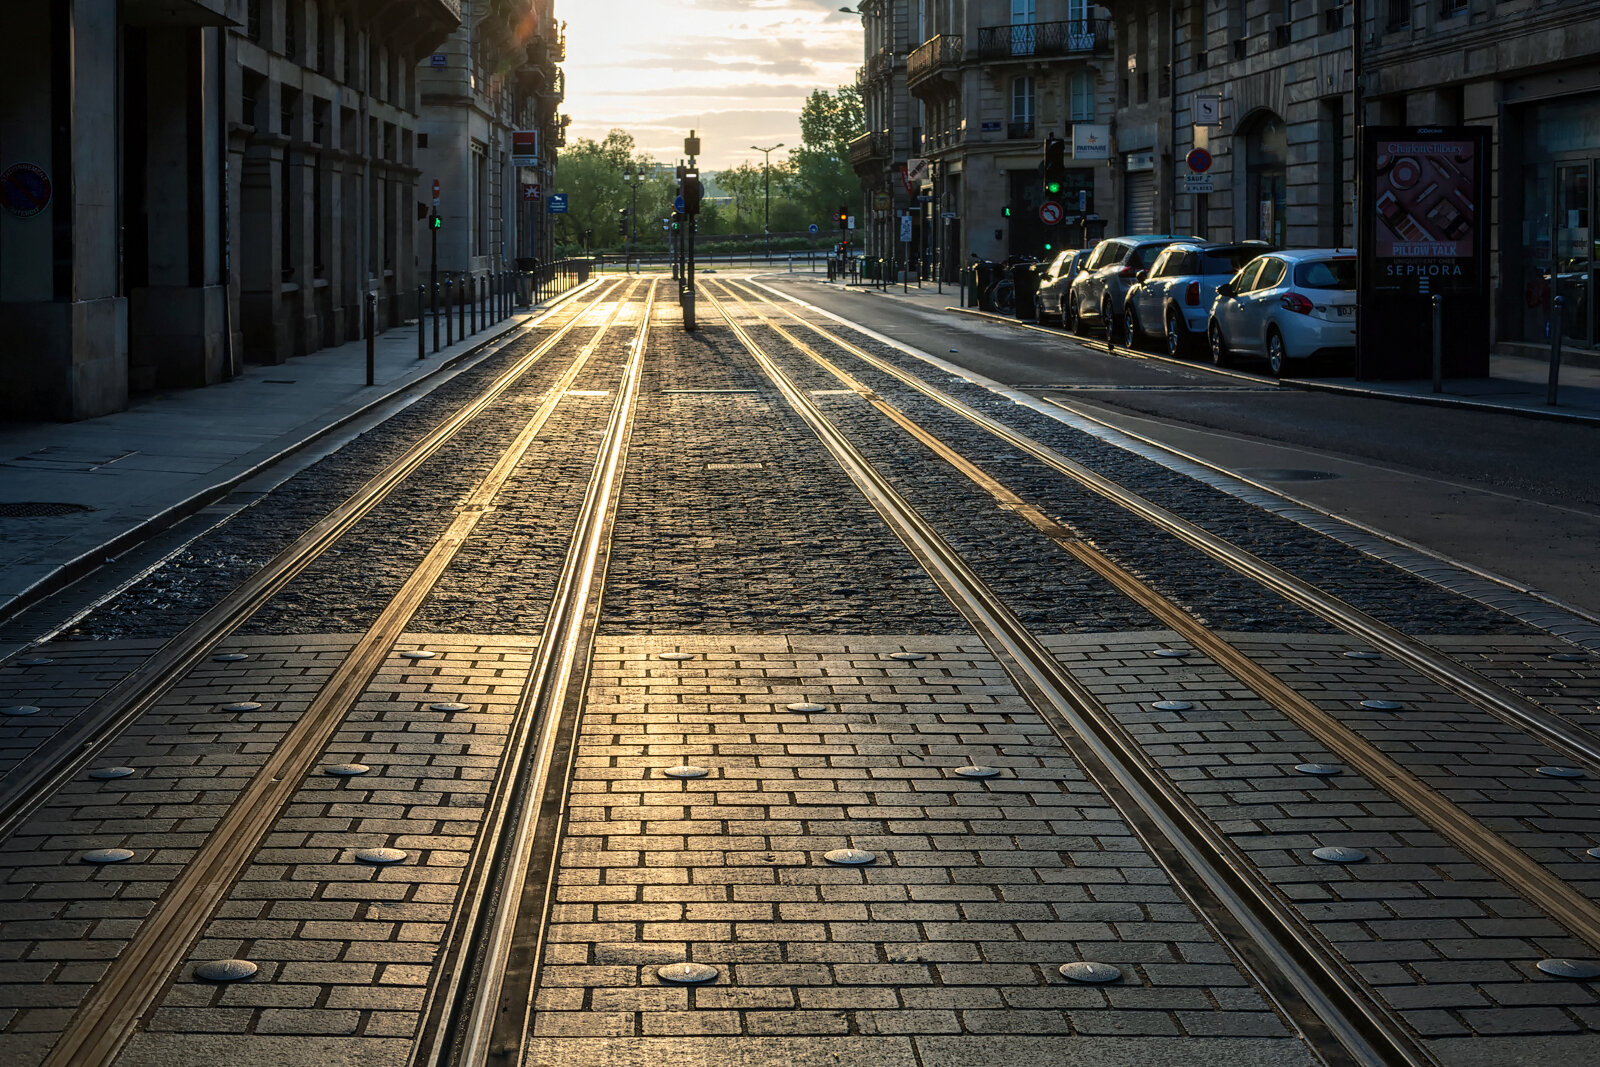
[591, 174]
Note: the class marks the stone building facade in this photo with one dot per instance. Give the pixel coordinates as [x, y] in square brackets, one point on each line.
[190, 185]
[495, 74]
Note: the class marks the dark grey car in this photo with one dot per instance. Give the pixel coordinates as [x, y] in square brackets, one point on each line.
[1097, 294]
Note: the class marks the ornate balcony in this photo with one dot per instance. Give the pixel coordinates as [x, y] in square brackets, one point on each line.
[879, 65]
[869, 151]
[1033, 40]
[937, 57]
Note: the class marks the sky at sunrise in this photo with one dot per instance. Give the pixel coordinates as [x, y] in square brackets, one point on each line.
[736, 71]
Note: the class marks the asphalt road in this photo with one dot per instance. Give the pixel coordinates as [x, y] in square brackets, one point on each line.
[1509, 495]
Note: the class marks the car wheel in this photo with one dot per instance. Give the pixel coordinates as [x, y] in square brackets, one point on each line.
[1132, 333]
[1066, 324]
[1219, 348]
[1277, 357]
[1108, 320]
[1078, 326]
[1176, 341]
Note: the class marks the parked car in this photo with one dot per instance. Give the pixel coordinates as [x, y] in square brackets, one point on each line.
[1054, 281]
[1096, 295]
[1174, 296]
[1287, 306]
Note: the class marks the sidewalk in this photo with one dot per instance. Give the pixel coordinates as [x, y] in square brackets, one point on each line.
[1515, 384]
[74, 493]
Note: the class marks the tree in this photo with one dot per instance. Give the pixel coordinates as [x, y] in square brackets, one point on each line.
[591, 176]
[822, 175]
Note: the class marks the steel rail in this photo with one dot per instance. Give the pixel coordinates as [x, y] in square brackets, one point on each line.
[1271, 941]
[1523, 874]
[131, 986]
[56, 761]
[480, 1016]
[1506, 704]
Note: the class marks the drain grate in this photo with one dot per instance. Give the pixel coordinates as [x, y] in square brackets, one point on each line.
[39, 510]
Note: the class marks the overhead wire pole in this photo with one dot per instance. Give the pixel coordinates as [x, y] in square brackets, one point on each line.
[766, 173]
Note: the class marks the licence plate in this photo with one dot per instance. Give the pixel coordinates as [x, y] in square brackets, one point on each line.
[1344, 311]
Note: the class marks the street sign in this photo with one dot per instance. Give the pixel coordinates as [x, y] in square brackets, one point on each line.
[905, 228]
[1050, 212]
[881, 201]
[436, 192]
[948, 215]
[436, 60]
[850, 223]
[1199, 160]
[813, 225]
[1199, 183]
[1091, 140]
[557, 204]
[530, 192]
[1208, 109]
[677, 203]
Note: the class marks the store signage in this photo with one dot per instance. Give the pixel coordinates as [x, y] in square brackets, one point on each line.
[1091, 140]
[1422, 230]
[524, 148]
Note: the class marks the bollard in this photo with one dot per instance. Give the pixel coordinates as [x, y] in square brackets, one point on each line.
[461, 307]
[436, 318]
[1555, 351]
[449, 321]
[372, 324]
[422, 315]
[473, 285]
[1438, 343]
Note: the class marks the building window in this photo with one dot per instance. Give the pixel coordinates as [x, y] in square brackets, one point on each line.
[1399, 15]
[252, 20]
[1022, 107]
[291, 29]
[1080, 93]
[1447, 8]
[480, 189]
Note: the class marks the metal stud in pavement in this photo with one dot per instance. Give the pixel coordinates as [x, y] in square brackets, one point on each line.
[908, 657]
[805, 705]
[20, 710]
[1381, 705]
[225, 970]
[1089, 971]
[381, 856]
[448, 705]
[1581, 970]
[1569, 657]
[974, 771]
[685, 770]
[1339, 854]
[850, 857]
[106, 774]
[229, 657]
[346, 770]
[1561, 772]
[1595, 852]
[417, 653]
[1172, 705]
[241, 705]
[34, 661]
[687, 973]
[106, 855]
[675, 657]
[1363, 655]
[1320, 770]
[1172, 653]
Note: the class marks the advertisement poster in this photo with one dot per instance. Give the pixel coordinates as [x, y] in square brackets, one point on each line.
[1422, 232]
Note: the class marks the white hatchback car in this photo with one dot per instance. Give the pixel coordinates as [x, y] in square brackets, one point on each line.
[1287, 306]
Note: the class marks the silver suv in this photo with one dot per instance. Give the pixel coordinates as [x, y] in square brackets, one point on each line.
[1174, 297]
[1097, 294]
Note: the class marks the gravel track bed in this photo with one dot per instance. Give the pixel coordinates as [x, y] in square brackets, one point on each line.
[734, 520]
[502, 579]
[185, 587]
[1048, 590]
[1404, 600]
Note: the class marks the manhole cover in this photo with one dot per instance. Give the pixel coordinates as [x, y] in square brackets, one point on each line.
[39, 510]
[1287, 474]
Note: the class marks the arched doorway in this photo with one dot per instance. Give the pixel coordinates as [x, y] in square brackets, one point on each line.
[1266, 161]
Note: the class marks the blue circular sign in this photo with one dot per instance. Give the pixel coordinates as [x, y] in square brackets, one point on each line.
[813, 227]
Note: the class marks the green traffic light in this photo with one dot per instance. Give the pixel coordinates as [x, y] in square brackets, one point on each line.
[1048, 246]
[1052, 188]
[438, 223]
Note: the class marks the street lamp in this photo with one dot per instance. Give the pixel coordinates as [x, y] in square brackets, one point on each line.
[632, 175]
[766, 172]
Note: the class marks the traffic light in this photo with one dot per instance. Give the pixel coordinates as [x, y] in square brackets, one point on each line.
[842, 217]
[1055, 167]
[1005, 212]
[436, 222]
[676, 221]
[622, 223]
[692, 192]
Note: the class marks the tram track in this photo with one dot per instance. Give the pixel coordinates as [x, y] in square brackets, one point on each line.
[128, 990]
[1515, 868]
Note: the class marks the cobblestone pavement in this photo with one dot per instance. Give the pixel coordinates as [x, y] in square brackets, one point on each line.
[742, 545]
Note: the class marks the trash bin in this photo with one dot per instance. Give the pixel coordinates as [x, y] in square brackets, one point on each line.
[984, 275]
[1025, 284]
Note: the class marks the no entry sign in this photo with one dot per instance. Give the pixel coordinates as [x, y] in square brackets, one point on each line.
[1050, 212]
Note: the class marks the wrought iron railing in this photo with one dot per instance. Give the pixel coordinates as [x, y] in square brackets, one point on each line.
[869, 146]
[1022, 40]
[880, 64]
[937, 53]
